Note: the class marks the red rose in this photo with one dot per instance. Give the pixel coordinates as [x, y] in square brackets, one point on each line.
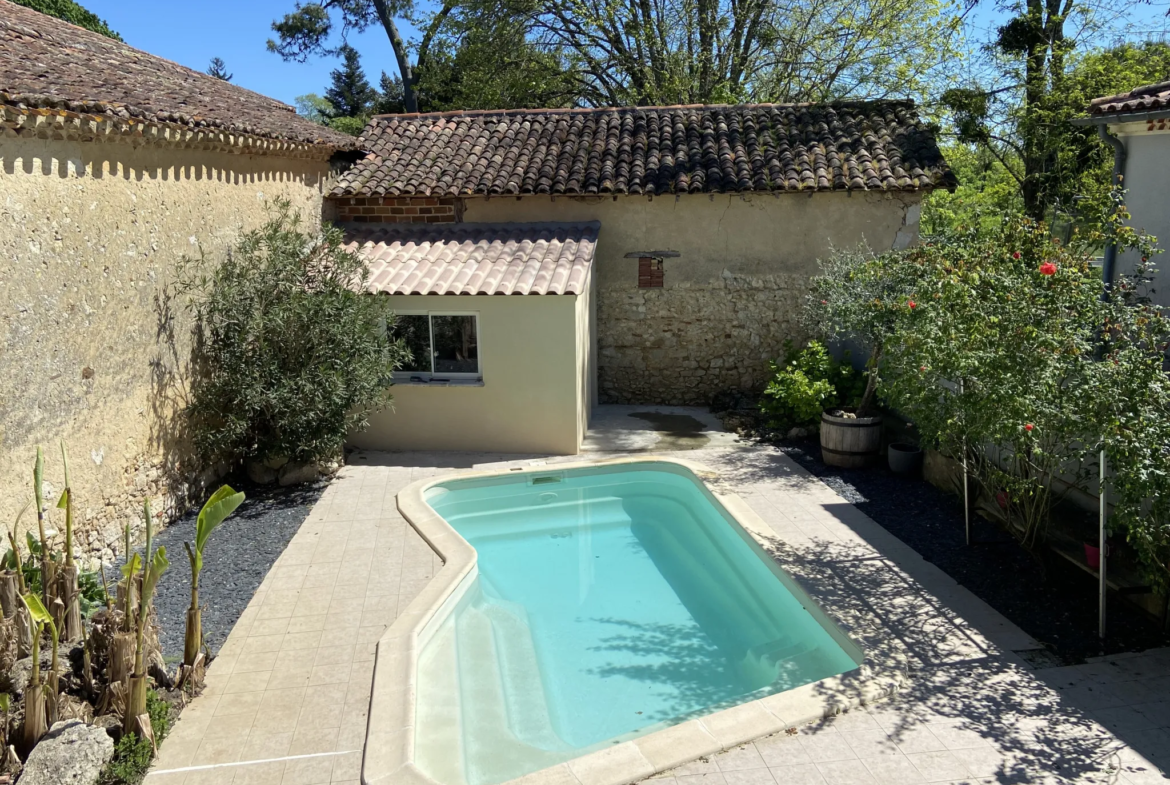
[911, 304]
[922, 368]
[1029, 427]
[1048, 268]
[1015, 254]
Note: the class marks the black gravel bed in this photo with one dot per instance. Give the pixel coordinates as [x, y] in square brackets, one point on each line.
[1045, 596]
[237, 557]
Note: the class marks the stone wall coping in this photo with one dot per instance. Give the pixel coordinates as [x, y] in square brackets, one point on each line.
[69, 126]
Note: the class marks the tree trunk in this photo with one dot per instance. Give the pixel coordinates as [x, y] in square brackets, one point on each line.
[14, 609]
[68, 593]
[35, 726]
[194, 637]
[401, 54]
[121, 656]
[871, 381]
[136, 719]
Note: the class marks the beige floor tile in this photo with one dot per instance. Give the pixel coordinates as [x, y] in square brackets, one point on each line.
[266, 746]
[308, 771]
[247, 682]
[229, 726]
[269, 627]
[216, 776]
[270, 773]
[253, 662]
[308, 739]
[218, 750]
[299, 623]
[260, 644]
[347, 767]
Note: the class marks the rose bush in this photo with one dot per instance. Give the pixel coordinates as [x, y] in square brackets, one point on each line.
[1002, 350]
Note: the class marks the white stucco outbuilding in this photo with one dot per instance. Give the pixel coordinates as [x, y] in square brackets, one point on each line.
[1137, 126]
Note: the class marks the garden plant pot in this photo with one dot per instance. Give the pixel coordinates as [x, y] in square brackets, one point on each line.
[850, 442]
[905, 458]
[1093, 555]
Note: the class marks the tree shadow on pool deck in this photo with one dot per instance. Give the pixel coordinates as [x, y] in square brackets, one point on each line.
[964, 688]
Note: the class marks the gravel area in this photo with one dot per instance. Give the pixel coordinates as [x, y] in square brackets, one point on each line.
[1051, 600]
[235, 561]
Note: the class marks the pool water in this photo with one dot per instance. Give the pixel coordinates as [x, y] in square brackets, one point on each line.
[609, 602]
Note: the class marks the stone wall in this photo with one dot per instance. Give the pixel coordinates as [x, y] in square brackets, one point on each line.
[683, 344]
[395, 209]
[93, 350]
[732, 296]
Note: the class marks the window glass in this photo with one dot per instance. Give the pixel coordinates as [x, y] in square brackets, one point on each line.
[456, 344]
[416, 332]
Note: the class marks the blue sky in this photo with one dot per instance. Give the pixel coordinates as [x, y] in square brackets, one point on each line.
[236, 30]
[192, 33]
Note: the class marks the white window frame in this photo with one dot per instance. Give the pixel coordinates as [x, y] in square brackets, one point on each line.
[406, 377]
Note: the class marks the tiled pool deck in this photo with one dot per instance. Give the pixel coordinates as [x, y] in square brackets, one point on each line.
[287, 698]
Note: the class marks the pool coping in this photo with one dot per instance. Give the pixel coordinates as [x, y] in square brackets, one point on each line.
[389, 748]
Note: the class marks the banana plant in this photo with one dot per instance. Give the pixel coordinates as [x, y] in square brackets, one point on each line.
[47, 571]
[12, 586]
[217, 509]
[37, 702]
[67, 591]
[136, 720]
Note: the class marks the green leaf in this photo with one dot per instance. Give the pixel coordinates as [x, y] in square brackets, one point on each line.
[132, 566]
[39, 480]
[63, 502]
[217, 509]
[158, 565]
[37, 610]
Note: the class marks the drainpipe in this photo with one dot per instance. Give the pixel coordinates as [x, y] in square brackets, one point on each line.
[1119, 153]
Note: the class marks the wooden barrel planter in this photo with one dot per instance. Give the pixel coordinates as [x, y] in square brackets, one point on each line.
[850, 442]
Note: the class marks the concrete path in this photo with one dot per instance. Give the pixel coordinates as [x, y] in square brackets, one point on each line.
[286, 700]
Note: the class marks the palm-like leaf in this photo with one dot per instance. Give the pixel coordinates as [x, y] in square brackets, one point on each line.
[217, 509]
[158, 565]
[36, 610]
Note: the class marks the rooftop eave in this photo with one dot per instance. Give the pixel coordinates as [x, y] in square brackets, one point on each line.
[1118, 118]
[65, 125]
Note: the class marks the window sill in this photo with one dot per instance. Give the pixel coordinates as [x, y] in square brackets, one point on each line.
[419, 382]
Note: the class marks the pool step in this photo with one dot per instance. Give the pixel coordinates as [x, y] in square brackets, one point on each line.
[520, 672]
[438, 745]
[488, 737]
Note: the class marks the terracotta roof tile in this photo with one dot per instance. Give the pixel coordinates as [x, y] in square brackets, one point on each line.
[475, 258]
[46, 63]
[1140, 99]
[877, 145]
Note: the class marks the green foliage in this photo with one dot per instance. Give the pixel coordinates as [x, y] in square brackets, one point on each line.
[313, 107]
[132, 753]
[73, 13]
[860, 296]
[1016, 130]
[808, 382]
[293, 355]
[1001, 362]
[89, 584]
[349, 93]
[215, 511]
[218, 69]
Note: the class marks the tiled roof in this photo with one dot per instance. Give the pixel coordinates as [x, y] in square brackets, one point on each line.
[649, 150]
[46, 63]
[473, 258]
[1140, 99]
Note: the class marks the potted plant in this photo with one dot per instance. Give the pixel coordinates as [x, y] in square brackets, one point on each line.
[858, 296]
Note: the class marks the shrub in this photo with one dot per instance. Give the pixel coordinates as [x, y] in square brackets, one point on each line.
[807, 382]
[1012, 359]
[132, 753]
[859, 295]
[291, 354]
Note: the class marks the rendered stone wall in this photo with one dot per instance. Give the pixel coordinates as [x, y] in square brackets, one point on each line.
[733, 295]
[91, 350]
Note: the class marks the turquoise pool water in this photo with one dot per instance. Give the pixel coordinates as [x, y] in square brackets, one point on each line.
[609, 602]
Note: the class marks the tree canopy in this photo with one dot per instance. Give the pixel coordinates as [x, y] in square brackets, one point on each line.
[73, 13]
[218, 69]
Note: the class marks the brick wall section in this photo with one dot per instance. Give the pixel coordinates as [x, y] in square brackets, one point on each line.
[397, 210]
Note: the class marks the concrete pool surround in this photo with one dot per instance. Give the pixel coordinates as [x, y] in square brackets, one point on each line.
[391, 743]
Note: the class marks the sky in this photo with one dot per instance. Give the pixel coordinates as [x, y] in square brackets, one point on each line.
[191, 33]
[236, 30]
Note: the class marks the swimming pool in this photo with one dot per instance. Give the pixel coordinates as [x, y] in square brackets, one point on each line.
[608, 602]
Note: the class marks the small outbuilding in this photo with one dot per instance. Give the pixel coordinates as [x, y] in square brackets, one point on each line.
[643, 255]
